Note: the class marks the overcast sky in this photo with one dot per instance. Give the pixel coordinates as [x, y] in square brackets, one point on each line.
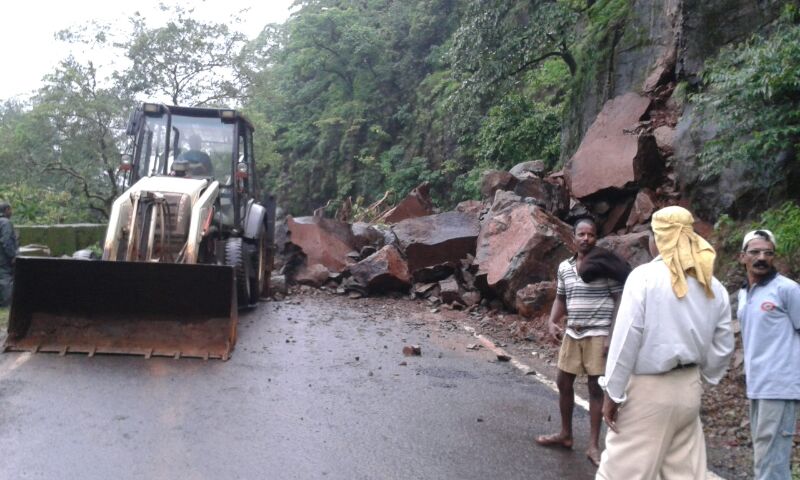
[28, 50]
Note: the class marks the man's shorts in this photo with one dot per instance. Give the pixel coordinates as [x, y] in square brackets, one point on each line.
[582, 357]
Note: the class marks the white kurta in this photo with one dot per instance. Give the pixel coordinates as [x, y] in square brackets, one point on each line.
[655, 331]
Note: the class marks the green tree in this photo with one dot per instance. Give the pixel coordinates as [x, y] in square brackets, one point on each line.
[190, 62]
[84, 124]
[752, 93]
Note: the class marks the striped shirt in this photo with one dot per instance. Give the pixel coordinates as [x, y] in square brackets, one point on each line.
[590, 307]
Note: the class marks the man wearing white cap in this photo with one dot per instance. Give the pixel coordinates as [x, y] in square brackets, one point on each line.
[769, 311]
[673, 329]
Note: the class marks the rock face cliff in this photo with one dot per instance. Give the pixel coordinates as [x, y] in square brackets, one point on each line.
[629, 125]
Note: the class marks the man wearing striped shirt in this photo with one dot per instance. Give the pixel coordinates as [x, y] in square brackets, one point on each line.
[590, 309]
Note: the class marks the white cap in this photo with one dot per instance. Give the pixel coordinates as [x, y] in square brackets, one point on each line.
[760, 233]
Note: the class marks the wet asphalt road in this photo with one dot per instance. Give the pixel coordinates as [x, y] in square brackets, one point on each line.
[316, 388]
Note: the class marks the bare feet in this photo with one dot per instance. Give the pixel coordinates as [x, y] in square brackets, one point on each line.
[593, 454]
[555, 440]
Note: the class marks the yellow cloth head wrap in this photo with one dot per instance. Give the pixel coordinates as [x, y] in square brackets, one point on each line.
[683, 250]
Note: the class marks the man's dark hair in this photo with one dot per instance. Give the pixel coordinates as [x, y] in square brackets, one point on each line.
[584, 219]
[4, 206]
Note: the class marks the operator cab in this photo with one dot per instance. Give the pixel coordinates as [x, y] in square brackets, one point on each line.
[205, 143]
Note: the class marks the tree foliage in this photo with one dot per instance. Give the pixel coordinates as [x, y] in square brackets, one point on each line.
[350, 99]
[191, 63]
[753, 94]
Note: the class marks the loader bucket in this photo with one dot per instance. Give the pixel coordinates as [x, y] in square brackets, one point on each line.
[176, 310]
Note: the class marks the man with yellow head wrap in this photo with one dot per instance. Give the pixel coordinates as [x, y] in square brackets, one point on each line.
[673, 329]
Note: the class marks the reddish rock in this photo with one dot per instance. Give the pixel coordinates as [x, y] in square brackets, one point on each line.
[323, 241]
[550, 194]
[416, 204]
[474, 207]
[313, 275]
[611, 158]
[437, 239]
[643, 208]
[616, 217]
[412, 350]
[494, 180]
[520, 244]
[662, 71]
[385, 270]
[449, 290]
[535, 300]
[633, 247]
[503, 199]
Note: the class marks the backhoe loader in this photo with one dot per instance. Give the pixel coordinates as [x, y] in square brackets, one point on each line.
[188, 244]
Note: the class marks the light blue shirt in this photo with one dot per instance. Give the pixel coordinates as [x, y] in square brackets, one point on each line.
[770, 318]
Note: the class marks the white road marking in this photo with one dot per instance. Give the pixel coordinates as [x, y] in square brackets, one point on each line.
[526, 369]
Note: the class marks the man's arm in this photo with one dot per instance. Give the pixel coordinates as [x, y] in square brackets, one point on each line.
[627, 338]
[558, 312]
[792, 301]
[718, 354]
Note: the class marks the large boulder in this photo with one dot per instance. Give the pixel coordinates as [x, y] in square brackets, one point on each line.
[549, 193]
[416, 204]
[643, 208]
[437, 239]
[611, 157]
[494, 180]
[633, 247]
[385, 270]
[324, 241]
[520, 243]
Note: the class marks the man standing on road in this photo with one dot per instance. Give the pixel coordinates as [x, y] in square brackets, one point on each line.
[769, 312]
[590, 309]
[673, 328]
[8, 252]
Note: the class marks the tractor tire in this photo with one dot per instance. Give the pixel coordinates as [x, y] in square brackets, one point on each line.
[236, 255]
[258, 256]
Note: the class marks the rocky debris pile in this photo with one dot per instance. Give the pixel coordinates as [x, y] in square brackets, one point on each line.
[499, 253]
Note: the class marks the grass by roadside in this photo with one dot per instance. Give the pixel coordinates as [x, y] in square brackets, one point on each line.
[3, 319]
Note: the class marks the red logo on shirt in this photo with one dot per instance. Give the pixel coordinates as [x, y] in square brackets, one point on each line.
[768, 306]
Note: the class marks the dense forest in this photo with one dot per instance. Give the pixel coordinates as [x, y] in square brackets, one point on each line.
[354, 98]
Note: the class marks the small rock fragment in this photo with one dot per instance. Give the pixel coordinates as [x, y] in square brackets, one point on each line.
[412, 350]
